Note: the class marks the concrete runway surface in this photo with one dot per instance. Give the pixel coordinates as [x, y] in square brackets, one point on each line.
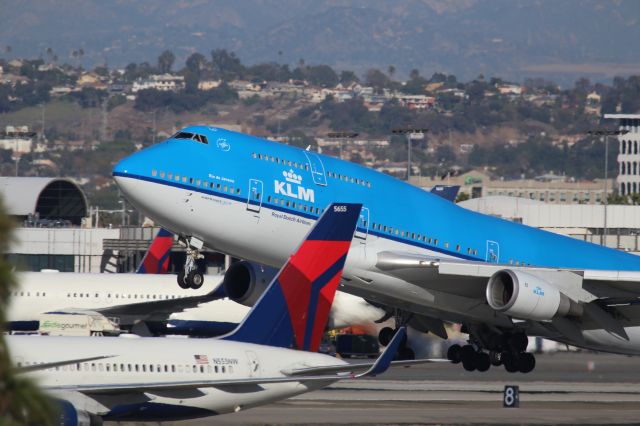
[565, 388]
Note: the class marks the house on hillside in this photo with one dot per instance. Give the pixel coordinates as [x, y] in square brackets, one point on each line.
[162, 82]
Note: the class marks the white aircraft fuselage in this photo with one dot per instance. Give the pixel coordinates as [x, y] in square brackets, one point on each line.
[150, 361]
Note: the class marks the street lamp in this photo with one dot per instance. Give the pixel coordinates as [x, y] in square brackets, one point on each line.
[340, 136]
[410, 132]
[606, 133]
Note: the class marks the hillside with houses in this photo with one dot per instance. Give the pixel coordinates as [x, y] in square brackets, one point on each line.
[62, 119]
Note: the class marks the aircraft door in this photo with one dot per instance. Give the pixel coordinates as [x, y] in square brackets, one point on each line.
[317, 168]
[254, 363]
[254, 198]
[362, 229]
[493, 252]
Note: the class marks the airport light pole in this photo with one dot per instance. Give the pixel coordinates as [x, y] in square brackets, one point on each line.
[342, 136]
[606, 133]
[410, 133]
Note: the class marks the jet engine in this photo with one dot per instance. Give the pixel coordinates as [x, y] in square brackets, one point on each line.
[69, 415]
[526, 296]
[244, 282]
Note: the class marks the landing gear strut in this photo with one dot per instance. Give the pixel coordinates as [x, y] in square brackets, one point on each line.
[486, 349]
[190, 276]
[387, 333]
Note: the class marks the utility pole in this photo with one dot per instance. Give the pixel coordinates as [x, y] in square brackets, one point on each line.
[342, 137]
[43, 135]
[410, 133]
[606, 133]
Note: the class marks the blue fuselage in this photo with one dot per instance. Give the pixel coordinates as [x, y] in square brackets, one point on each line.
[298, 184]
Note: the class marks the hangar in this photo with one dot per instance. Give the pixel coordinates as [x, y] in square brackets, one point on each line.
[48, 201]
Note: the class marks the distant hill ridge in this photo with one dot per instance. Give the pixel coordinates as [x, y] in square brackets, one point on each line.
[507, 38]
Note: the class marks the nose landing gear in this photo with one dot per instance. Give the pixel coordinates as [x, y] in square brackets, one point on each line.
[190, 276]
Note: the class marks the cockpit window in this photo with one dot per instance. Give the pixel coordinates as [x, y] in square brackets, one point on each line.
[193, 136]
[182, 135]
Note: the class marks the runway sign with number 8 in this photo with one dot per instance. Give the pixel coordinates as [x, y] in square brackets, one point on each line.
[511, 397]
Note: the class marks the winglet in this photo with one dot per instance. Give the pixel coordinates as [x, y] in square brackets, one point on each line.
[448, 192]
[384, 361]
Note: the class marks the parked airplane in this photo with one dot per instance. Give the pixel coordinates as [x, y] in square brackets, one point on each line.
[269, 357]
[149, 304]
[425, 258]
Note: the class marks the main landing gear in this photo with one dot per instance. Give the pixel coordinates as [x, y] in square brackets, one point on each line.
[386, 334]
[485, 350]
[190, 276]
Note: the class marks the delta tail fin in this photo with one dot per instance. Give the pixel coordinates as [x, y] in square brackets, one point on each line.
[294, 310]
[156, 260]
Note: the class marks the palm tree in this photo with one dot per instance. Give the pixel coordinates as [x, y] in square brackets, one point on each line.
[22, 402]
[391, 70]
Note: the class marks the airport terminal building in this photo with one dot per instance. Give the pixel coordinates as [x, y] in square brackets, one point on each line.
[628, 181]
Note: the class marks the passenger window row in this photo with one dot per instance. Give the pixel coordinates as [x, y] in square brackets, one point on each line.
[128, 296]
[350, 179]
[28, 293]
[136, 368]
[196, 182]
[278, 160]
[418, 237]
[292, 204]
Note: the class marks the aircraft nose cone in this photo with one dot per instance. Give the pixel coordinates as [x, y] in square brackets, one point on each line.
[126, 169]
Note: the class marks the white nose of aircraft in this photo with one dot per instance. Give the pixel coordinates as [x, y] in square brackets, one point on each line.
[130, 174]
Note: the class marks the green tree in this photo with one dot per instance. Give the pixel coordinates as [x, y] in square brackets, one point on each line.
[348, 77]
[21, 402]
[226, 66]
[165, 61]
[321, 75]
[462, 196]
[376, 79]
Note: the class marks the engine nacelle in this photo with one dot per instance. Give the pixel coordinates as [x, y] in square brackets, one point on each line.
[244, 282]
[69, 415]
[523, 295]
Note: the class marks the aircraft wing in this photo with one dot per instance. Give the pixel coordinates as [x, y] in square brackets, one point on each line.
[362, 366]
[334, 373]
[610, 300]
[47, 365]
[161, 309]
[470, 278]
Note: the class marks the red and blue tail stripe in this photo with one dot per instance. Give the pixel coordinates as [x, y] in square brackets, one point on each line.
[156, 260]
[294, 310]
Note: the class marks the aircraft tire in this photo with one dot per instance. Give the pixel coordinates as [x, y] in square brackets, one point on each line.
[385, 335]
[518, 342]
[182, 280]
[406, 354]
[526, 362]
[195, 279]
[468, 357]
[454, 353]
[510, 362]
[482, 361]
[496, 358]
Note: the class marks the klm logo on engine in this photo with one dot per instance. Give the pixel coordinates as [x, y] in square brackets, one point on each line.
[292, 187]
[538, 291]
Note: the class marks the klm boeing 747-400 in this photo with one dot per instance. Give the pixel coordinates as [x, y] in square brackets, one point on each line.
[426, 260]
